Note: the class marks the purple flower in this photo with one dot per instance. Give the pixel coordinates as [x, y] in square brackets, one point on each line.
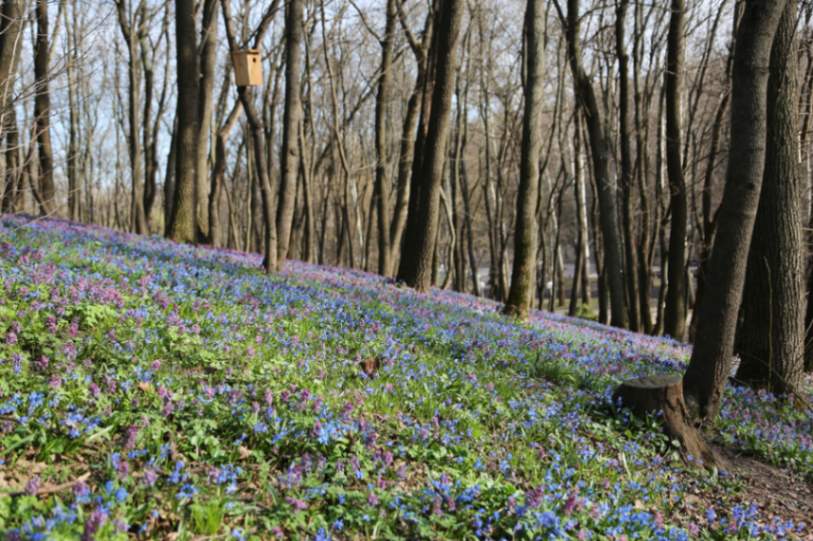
[32, 486]
[570, 504]
[93, 524]
[150, 477]
[42, 363]
[18, 363]
[81, 492]
[132, 436]
[299, 505]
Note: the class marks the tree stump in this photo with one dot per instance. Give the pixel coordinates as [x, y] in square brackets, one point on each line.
[664, 394]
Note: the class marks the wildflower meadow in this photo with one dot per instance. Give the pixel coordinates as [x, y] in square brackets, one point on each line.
[152, 390]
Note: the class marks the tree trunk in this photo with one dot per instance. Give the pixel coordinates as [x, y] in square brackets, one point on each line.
[152, 123]
[772, 357]
[674, 322]
[710, 362]
[427, 172]
[13, 170]
[74, 190]
[581, 264]
[42, 112]
[605, 185]
[182, 228]
[11, 32]
[169, 178]
[270, 244]
[663, 396]
[207, 60]
[130, 23]
[630, 259]
[218, 174]
[708, 218]
[292, 119]
[523, 275]
[381, 194]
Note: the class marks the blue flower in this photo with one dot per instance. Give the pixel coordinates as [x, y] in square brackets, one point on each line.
[187, 491]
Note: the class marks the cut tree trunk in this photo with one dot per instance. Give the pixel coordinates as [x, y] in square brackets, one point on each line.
[664, 394]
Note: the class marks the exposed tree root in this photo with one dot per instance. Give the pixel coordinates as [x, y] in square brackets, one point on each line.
[664, 394]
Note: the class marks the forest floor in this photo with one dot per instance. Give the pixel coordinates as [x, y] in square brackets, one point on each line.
[158, 391]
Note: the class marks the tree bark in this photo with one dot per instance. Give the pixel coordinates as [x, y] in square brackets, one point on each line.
[427, 172]
[11, 32]
[708, 218]
[292, 119]
[582, 262]
[630, 257]
[13, 171]
[663, 395]
[131, 22]
[406, 153]
[381, 194]
[710, 362]
[271, 254]
[42, 112]
[12, 21]
[73, 155]
[523, 275]
[674, 322]
[218, 174]
[772, 357]
[605, 185]
[182, 228]
[169, 178]
[207, 58]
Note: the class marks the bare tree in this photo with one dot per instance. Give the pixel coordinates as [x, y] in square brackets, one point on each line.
[523, 277]
[257, 134]
[626, 180]
[11, 32]
[710, 362]
[382, 193]
[206, 60]
[770, 338]
[600, 152]
[675, 311]
[430, 151]
[182, 221]
[291, 121]
[133, 24]
[42, 112]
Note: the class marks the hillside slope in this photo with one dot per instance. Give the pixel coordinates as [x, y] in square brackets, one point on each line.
[152, 390]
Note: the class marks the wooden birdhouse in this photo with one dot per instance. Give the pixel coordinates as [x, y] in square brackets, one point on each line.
[248, 69]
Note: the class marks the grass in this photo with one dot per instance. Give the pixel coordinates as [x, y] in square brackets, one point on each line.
[153, 390]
